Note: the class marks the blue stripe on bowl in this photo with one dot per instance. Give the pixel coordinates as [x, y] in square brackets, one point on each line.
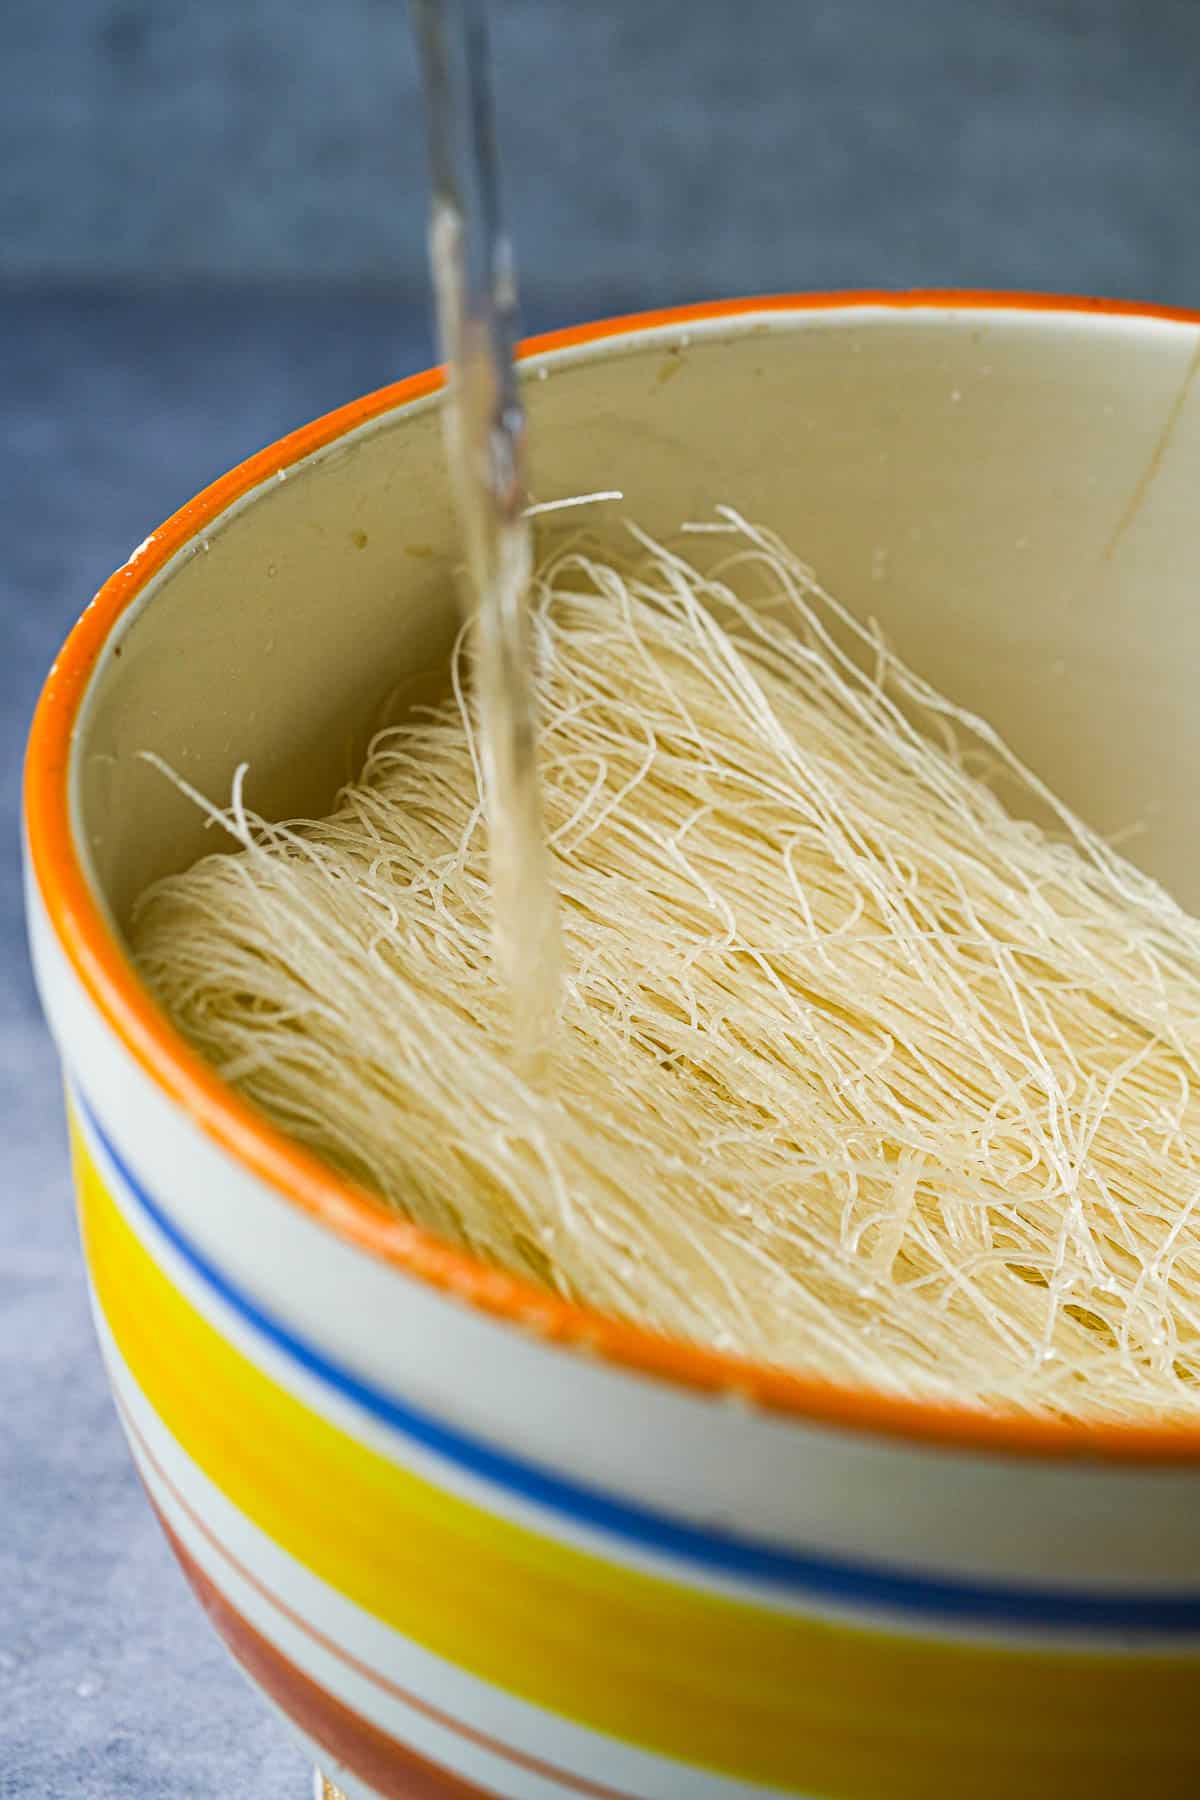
[844, 1582]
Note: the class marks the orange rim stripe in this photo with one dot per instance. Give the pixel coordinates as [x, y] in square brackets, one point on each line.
[109, 979]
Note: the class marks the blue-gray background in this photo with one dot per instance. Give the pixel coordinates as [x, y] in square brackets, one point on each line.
[211, 228]
[665, 147]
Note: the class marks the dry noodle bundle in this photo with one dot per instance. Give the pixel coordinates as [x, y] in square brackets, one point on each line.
[856, 1072]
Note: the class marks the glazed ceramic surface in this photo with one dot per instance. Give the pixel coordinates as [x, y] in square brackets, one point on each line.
[468, 1538]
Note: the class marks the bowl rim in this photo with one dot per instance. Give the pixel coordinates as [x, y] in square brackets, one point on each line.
[97, 958]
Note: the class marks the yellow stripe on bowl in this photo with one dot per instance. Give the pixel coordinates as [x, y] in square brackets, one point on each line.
[763, 1696]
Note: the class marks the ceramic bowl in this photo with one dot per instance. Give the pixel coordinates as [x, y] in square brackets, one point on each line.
[472, 1540]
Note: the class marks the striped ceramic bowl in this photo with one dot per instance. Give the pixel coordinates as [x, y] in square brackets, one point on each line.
[472, 1540]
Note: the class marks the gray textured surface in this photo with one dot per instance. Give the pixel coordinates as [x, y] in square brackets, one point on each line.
[679, 147]
[111, 1684]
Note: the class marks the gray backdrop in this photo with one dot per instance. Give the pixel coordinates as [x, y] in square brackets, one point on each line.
[674, 148]
[211, 228]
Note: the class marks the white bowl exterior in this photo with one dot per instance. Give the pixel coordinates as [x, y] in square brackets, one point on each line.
[905, 1517]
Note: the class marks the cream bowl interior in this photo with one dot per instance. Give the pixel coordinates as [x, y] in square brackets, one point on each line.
[1010, 491]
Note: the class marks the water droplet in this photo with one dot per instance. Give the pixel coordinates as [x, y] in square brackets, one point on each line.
[272, 569]
[955, 396]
